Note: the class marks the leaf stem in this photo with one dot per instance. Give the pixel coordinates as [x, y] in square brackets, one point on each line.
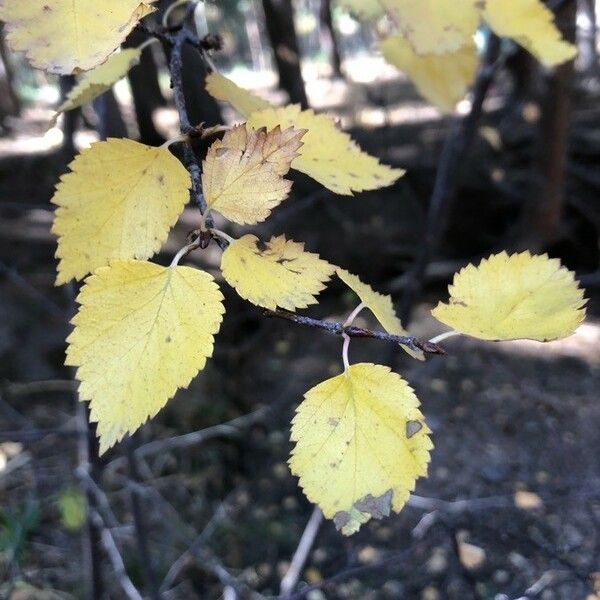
[184, 252]
[147, 43]
[443, 336]
[347, 323]
[222, 235]
[177, 4]
[182, 137]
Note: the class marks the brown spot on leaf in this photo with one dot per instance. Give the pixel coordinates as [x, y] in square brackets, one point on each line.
[412, 428]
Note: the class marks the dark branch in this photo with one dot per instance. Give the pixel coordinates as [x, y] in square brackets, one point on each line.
[337, 328]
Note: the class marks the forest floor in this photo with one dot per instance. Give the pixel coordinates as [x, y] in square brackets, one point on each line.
[506, 419]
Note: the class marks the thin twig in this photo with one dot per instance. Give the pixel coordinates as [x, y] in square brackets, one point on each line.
[338, 328]
[116, 560]
[290, 579]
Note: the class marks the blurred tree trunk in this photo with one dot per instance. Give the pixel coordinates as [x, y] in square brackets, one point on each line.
[329, 39]
[70, 120]
[202, 107]
[279, 15]
[147, 95]
[588, 51]
[110, 119]
[9, 103]
[543, 212]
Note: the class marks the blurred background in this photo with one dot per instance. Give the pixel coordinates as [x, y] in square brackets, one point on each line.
[201, 504]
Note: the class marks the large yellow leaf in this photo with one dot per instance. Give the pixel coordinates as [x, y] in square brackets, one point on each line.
[69, 36]
[243, 173]
[443, 79]
[530, 24]
[142, 332]
[361, 444]
[514, 297]
[278, 273]
[328, 154]
[98, 80]
[119, 201]
[224, 89]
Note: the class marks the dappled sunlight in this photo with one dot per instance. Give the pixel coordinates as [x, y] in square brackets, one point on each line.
[584, 344]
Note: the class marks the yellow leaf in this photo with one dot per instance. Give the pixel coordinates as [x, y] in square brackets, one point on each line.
[435, 26]
[98, 80]
[381, 306]
[530, 24]
[363, 9]
[430, 26]
[278, 273]
[514, 297]
[142, 332]
[443, 79]
[361, 444]
[224, 89]
[119, 201]
[243, 173]
[70, 36]
[328, 155]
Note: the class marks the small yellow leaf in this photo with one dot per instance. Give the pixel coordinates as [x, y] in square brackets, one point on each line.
[381, 306]
[443, 79]
[328, 155]
[243, 173]
[70, 36]
[73, 508]
[531, 24]
[98, 80]
[142, 332]
[361, 444]
[278, 273]
[514, 297]
[471, 557]
[119, 201]
[528, 500]
[224, 89]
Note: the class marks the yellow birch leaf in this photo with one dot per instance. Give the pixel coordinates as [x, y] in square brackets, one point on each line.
[328, 155]
[514, 297]
[142, 332]
[98, 80]
[361, 444]
[435, 26]
[381, 306]
[242, 175]
[278, 273]
[70, 36]
[530, 24]
[224, 89]
[119, 201]
[443, 79]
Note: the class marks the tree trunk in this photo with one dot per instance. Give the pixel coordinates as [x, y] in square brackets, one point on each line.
[328, 38]
[9, 103]
[542, 214]
[147, 95]
[279, 16]
[110, 119]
